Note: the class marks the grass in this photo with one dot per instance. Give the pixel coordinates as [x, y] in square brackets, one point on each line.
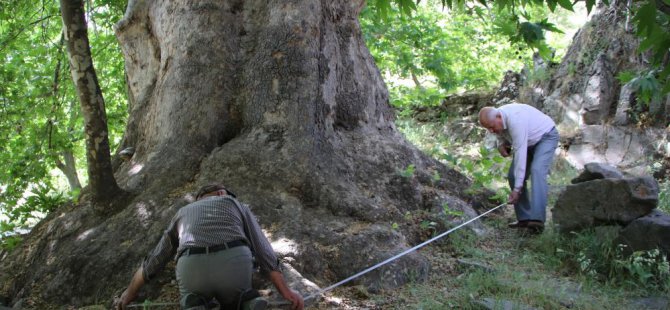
[664, 196]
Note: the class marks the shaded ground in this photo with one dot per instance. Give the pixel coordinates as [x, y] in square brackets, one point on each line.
[501, 268]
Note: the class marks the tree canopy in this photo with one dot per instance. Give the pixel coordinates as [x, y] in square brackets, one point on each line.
[41, 124]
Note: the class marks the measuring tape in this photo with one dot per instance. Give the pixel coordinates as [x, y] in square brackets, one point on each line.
[359, 274]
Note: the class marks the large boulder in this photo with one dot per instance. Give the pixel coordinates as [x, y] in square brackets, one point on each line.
[605, 201]
[647, 233]
[595, 171]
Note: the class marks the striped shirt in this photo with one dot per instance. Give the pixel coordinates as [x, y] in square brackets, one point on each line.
[210, 221]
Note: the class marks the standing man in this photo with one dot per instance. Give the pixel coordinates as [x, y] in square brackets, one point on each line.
[213, 239]
[532, 138]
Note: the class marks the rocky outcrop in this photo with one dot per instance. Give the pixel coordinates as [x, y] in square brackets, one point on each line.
[454, 106]
[595, 171]
[583, 89]
[605, 201]
[630, 149]
[601, 196]
[647, 233]
[509, 88]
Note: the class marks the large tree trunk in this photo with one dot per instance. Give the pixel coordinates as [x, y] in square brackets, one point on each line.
[282, 102]
[101, 177]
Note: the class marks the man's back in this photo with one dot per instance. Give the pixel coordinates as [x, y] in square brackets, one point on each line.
[208, 222]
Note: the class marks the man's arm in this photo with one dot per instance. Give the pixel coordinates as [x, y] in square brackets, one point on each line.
[267, 258]
[152, 264]
[297, 303]
[131, 292]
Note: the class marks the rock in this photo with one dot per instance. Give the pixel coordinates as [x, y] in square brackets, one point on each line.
[647, 233]
[626, 100]
[594, 171]
[618, 146]
[465, 104]
[509, 88]
[604, 202]
[651, 303]
[598, 93]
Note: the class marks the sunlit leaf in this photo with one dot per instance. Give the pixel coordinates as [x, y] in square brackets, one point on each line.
[552, 4]
[566, 4]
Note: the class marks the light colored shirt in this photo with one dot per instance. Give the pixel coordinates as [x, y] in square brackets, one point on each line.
[523, 126]
[208, 222]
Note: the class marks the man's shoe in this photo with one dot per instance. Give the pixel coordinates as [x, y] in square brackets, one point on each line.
[535, 226]
[257, 303]
[518, 224]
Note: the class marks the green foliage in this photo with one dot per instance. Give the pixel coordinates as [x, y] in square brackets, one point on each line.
[664, 196]
[41, 199]
[645, 84]
[408, 97]
[489, 168]
[647, 269]
[40, 117]
[408, 172]
[437, 52]
[526, 31]
[593, 254]
[651, 19]
[648, 90]
[451, 213]
[652, 28]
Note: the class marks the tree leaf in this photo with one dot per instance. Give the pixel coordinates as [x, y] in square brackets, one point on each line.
[566, 4]
[530, 32]
[646, 18]
[546, 25]
[589, 5]
[406, 6]
[552, 4]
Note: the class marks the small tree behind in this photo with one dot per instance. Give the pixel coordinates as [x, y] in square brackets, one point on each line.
[103, 185]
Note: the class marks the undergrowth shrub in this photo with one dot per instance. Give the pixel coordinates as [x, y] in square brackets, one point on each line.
[593, 254]
[42, 199]
[664, 196]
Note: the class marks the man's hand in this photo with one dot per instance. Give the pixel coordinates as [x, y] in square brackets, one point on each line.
[123, 301]
[513, 197]
[505, 150]
[131, 292]
[297, 303]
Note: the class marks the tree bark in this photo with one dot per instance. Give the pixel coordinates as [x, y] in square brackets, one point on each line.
[282, 102]
[102, 183]
[69, 169]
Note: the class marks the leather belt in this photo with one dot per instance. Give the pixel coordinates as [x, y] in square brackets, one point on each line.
[211, 249]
